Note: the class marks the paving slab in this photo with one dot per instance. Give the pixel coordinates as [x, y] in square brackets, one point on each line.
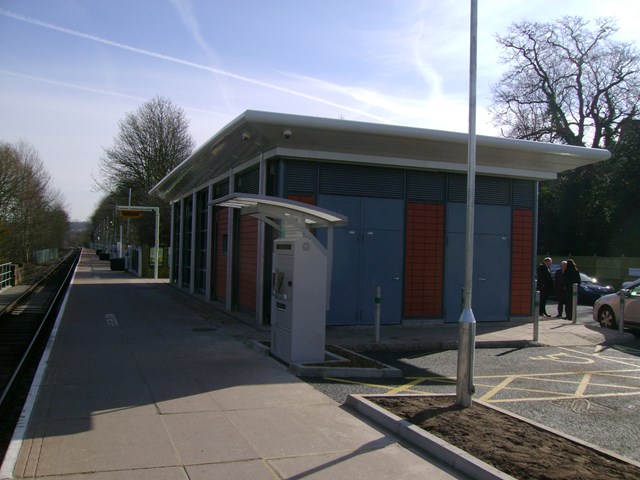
[389, 462]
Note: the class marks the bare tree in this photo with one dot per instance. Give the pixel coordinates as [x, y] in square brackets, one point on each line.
[28, 204]
[151, 142]
[566, 83]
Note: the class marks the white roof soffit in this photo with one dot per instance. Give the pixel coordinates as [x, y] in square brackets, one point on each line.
[256, 132]
[272, 209]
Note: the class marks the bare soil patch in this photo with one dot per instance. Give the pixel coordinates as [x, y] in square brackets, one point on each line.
[511, 445]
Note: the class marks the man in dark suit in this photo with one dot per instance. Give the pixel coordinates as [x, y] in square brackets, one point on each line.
[544, 284]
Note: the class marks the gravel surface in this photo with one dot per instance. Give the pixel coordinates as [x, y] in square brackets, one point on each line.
[590, 393]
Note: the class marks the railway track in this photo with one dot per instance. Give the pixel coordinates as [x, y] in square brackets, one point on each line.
[25, 326]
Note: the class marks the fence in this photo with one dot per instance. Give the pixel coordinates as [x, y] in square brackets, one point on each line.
[43, 256]
[5, 275]
[609, 270]
[135, 254]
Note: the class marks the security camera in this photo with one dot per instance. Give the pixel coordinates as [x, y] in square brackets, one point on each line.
[287, 134]
[245, 137]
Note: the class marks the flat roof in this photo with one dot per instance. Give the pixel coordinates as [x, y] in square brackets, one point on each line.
[314, 138]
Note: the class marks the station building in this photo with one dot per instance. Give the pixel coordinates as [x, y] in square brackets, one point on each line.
[403, 191]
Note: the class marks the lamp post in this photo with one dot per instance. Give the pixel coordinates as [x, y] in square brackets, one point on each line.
[467, 322]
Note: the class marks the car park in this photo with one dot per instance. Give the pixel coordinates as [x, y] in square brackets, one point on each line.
[606, 310]
[589, 290]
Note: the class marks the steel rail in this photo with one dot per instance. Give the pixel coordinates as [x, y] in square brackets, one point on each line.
[45, 320]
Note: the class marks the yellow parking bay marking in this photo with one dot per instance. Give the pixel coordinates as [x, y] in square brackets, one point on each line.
[552, 398]
[632, 362]
[583, 385]
[586, 378]
[579, 385]
[497, 388]
[405, 387]
[395, 389]
[524, 390]
[564, 358]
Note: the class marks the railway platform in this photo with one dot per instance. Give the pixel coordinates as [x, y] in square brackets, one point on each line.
[140, 384]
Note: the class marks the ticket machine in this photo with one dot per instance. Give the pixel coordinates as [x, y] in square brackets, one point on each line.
[301, 273]
[298, 303]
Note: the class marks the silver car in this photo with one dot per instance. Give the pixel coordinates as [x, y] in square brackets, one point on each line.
[606, 310]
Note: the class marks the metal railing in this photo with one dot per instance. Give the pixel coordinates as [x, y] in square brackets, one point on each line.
[5, 275]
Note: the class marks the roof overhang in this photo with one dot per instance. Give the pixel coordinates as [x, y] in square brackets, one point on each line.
[256, 133]
[274, 210]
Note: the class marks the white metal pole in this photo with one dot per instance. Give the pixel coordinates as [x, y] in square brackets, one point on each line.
[128, 219]
[155, 267]
[536, 317]
[623, 294]
[262, 190]
[376, 318]
[467, 322]
[574, 304]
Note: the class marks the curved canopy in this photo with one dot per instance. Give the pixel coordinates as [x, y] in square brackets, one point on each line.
[274, 209]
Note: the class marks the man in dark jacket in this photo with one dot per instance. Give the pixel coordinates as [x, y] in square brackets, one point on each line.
[544, 284]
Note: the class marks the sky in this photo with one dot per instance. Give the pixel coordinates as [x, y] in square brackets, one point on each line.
[70, 70]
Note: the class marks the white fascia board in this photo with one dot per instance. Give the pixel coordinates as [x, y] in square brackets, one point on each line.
[412, 163]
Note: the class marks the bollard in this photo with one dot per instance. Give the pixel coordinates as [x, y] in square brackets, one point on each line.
[536, 317]
[376, 318]
[574, 305]
[623, 297]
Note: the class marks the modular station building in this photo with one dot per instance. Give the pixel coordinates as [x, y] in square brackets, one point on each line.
[403, 192]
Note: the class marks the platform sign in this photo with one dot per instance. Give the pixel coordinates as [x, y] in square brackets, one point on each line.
[128, 214]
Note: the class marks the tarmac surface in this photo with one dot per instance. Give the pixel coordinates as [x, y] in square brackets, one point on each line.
[145, 382]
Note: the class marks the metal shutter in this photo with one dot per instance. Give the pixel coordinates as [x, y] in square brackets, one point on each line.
[426, 186]
[248, 182]
[220, 189]
[301, 178]
[524, 194]
[493, 191]
[338, 179]
[457, 188]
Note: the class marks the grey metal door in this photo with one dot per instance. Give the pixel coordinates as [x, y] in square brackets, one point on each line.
[368, 252]
[491, 265]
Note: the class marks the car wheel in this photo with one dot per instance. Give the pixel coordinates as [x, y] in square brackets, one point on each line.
[606, 318]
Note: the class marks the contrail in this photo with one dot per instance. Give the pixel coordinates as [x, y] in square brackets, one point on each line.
[75, 86]
[217, 71]
[71, 85]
